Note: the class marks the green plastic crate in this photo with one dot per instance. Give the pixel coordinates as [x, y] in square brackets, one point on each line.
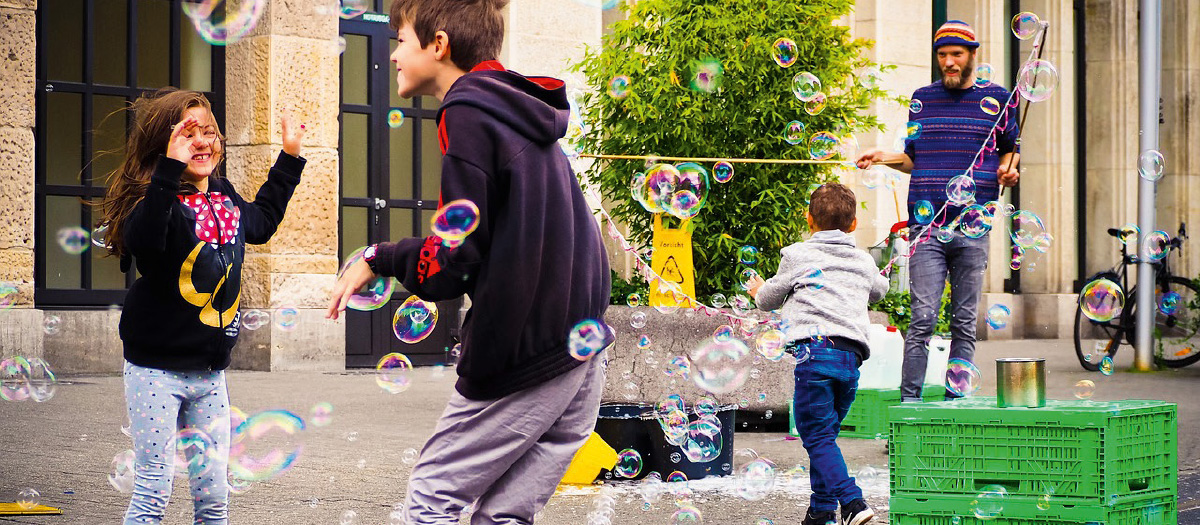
[958, 510]
[1084, 452]
[867, 417]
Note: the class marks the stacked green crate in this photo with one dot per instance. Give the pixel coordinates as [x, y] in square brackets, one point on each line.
[868, 414]
[1068, 462]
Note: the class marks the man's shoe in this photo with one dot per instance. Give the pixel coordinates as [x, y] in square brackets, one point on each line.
[856, 513]
[819, 518]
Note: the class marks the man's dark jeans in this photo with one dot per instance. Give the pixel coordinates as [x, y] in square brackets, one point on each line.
[825, 388]
[963, 260]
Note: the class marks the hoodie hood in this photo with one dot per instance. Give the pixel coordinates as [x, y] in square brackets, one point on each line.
[534, 107]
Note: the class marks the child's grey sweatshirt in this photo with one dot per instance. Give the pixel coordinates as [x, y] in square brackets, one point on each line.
[824, 285]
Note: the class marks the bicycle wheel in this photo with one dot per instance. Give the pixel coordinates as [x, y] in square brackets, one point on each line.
[1177, 328]
[1096, 339]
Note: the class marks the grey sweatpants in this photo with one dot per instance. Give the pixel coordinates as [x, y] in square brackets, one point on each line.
[506, 455]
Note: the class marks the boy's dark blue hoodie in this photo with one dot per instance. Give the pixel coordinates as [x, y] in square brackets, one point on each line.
[536, 265]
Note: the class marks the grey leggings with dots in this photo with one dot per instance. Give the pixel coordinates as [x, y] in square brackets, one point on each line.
[160, 402]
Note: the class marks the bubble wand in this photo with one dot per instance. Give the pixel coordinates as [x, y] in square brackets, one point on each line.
[1039, 45]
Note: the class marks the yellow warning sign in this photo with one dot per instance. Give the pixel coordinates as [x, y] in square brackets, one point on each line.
[672, 261]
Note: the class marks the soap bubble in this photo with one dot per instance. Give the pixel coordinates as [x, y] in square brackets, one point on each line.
[633, 300]
[371, 297]
[793, 132]
[915, 105]
[122, 475]
[922, 212]
[1106, 365]
[1084, 388]
[1025, 24]
[1037, 80]
[962, 377]
[784, 52]
[805, 86]
[658, 188]
[816, 104]
[961, 190]
[1027, 228]
[51, 324]
[722, 172]
[720, 366]
[707, 75]
[629, 464]
[409, 456]
[755, 479]
[218, 24]
[770, 344]
[686, 514]
[723, 333]
[73, 240]
[983, 75]
[395, 118]
[618, 87]
[703, 441]
[637, 320]
[454, 221]
[718, 300]
[678, 366]
[1101, 300]
[28, 498]
[997, 316]
[349, 517]
[868, 77]
[352, 8]
[912, 130]
[989, 503]
[321, 414]
[823, 145]
[195, 452]
[1150, 165]
[267, 445]
[414, 320]
[100, 236]
[748, 255]
[393, 373]
[974, 221]
[287, 317]
[643, 342]
[589, 338]
[1168, 302]
[1157, 244]
[989, 105]
[691, 190]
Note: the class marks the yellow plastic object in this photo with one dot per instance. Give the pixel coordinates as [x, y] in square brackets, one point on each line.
[593, 456]
[12, 509]
[672, 261]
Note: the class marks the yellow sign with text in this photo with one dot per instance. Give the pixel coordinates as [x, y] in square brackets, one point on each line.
[672, 261]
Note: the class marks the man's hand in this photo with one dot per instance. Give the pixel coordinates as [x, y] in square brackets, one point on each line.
[1008, 175]
[869, 157]
[753, 285]
[352, 280]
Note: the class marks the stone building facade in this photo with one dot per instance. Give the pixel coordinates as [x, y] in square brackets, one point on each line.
[1079, 154]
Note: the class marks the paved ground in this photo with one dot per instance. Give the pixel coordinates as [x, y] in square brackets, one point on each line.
[64, 448]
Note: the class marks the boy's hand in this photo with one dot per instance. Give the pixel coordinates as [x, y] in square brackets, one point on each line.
[292, 133]
[352, 280]
[753, 285]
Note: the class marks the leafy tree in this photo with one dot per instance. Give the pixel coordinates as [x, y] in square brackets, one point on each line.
[740, 111]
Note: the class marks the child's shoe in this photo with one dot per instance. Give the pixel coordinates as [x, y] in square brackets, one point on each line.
[819, 518]
[856, 513]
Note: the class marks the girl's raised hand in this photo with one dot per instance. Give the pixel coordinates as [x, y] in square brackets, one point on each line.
[179, 146]
[292, 133]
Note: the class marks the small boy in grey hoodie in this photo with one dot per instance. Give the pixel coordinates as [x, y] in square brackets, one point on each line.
[824, 285]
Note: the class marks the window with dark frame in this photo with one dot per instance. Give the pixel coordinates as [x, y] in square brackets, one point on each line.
[94, 58]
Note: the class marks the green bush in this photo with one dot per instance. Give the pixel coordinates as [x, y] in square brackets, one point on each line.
[657, 47]
[898, 307]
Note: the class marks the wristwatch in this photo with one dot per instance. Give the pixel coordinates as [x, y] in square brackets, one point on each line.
[369, 257]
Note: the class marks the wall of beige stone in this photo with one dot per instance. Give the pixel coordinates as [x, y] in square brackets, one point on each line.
[1179, 133]
[289, 64]
[21, 332]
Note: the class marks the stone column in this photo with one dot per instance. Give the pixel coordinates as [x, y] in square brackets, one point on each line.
[21, 326]
[1112, 125]
[1048, 181]
[903, 33]
[1180, 130]
[289, 63]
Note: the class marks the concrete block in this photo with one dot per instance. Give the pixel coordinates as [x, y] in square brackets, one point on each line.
[314, 344]
[1049, 316]
[21, 334]
[17, 59]
[88, 342]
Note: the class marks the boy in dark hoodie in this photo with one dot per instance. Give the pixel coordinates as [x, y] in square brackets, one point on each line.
[534, 268]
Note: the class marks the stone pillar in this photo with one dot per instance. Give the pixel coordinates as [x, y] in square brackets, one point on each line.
[20, 327]
[1180, 130]
[1111, 28]
[1048, 181]
[903, 33]
[289, 63]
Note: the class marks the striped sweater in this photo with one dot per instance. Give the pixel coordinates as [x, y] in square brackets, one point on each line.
[954, 127]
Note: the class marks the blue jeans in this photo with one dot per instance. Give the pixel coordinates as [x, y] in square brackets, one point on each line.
[161, 402]
[965, 260]
[825, 387]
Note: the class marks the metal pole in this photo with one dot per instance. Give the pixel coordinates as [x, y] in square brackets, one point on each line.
[1149, 68]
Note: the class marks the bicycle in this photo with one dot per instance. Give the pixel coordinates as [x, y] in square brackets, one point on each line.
[1175, 327]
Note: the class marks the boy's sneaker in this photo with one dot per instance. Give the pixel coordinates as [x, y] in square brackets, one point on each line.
[819, 518]
[856, 513]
